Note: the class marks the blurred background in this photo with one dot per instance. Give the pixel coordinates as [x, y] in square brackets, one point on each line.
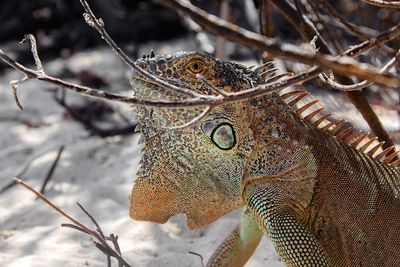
[60, 31]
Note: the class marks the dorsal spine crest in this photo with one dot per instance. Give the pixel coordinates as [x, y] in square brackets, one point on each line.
[335, 128]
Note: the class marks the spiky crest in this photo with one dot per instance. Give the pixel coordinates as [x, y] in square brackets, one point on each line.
[337, 128]
[389, 158]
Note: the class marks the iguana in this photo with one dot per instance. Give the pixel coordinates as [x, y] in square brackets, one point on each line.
[322, 192]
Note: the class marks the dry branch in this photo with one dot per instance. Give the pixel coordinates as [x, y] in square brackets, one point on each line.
[203, 100]
[100, 240]
[355, 29]
[98, 24]
[360, 85]
[358, 99]
[300, 22]
[381, 3]
[51, 170]
[232, 32]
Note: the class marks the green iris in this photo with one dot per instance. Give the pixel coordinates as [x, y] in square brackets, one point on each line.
[223, 136]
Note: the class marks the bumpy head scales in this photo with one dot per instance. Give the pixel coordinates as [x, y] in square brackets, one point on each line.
[195, 170]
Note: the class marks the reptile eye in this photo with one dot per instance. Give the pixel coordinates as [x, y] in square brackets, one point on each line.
[223, 136]
[196, 67]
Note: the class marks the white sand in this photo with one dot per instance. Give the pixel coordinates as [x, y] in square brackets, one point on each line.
[96, 172]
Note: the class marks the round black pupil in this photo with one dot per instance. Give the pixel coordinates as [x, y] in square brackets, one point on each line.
[196, 66]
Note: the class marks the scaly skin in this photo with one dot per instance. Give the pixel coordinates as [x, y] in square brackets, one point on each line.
[320, 201]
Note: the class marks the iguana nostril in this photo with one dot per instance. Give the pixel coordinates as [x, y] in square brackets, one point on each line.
[142, 64]
[152, 54]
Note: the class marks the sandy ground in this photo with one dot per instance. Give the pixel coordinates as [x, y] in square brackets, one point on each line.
[96, 172]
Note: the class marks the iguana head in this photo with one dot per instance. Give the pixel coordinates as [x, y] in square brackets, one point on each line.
[195, 170]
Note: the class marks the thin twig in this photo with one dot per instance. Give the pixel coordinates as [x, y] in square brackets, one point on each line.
[51, 170]
[301, 18]
[100, 240]
[92, 219]
[198, 255]
[352, 27]
[327, 28]
[70, 225]
[48, 202]
[98, 24]
[300, 22]
[362, 32]
[360, 85]
[367, 45]
[29, 38]
[205, 100]
[114, 239]
[24, 169]
[14, 86]
[381, 3]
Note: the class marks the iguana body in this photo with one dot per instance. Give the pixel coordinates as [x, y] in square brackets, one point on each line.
[301, 180]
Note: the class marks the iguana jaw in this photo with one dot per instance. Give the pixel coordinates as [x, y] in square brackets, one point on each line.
[157, 202]
[151, 203]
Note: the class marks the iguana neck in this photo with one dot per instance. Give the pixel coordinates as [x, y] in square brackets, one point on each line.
[274, 122]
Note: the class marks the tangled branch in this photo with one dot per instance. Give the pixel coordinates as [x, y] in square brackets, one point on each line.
[197, 101]
[100, 240]
[232, 32]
